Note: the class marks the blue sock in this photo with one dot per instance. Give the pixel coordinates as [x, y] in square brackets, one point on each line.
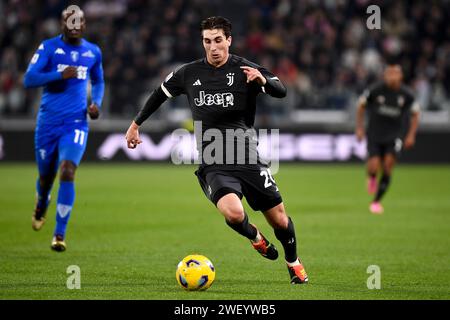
[66, 197]
[43, 195]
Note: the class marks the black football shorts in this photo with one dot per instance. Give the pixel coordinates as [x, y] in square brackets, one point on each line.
[382, 148]
[254, 182]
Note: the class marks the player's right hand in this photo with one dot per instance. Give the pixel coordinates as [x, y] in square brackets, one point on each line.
[132, 136]
[359, 134]
[69, 72]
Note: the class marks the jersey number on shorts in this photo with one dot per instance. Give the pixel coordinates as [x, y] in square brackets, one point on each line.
[79, 136]
[268, 176]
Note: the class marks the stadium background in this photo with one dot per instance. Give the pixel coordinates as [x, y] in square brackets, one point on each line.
[133, 222]
[322, 50]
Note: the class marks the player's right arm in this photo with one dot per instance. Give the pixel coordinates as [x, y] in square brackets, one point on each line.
[171, 87]
[155, 100]
[35, 75]
[360, 112]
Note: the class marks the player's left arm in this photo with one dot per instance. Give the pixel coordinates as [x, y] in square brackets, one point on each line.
[269, 83]
[98, 87]
[410, 138]
[360, 114]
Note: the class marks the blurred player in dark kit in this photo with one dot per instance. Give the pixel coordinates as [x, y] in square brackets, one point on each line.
[392, 110]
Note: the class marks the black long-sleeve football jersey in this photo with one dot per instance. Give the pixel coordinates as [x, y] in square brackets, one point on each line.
[388, 111]
[222, 101]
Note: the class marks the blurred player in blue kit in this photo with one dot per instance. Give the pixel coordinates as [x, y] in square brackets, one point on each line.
[63, 65]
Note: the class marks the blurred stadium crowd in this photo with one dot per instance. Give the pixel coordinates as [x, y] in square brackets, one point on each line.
[322, 50]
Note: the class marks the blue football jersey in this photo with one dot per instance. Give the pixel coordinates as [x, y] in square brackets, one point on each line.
[65, 100]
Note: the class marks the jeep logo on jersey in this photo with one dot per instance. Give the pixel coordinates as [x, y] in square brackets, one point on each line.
[220, 99]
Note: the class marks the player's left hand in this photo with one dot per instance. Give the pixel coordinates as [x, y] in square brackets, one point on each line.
[93, 111]
[410, 141]
[254, 74]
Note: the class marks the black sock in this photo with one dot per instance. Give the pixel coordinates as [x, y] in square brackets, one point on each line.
[287, 239]
[382, 187]
[244, 228]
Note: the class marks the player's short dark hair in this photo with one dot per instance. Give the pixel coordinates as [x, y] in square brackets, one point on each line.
[217, 22]
[393, 60]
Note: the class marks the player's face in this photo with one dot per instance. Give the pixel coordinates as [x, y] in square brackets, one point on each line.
[393, 76]
[68, 29]
[216, 46]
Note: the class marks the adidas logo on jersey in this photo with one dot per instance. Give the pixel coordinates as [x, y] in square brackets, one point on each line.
[59, 51]
[197, 83]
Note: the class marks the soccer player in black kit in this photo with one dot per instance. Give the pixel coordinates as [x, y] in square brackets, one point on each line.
[221, 89]
[392, 111]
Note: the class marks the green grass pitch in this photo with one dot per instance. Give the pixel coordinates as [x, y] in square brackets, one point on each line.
[132, 224]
